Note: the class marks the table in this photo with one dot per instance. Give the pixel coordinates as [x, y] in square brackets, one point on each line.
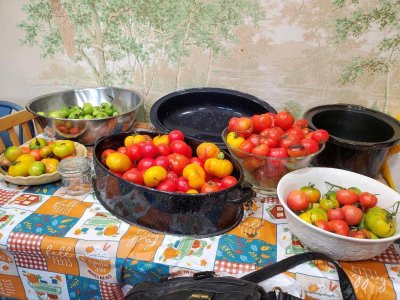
[54, 246]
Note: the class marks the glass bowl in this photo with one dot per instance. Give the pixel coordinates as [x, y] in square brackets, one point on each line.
[264, 172]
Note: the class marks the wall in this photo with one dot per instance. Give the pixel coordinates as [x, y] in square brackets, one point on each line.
[292, 54]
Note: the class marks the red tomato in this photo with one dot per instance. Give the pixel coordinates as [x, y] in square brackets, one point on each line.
[133, 151]
[320, 135]
[352, 215]
[297, 201]
[297, 151]
[196, 160]
[163, 149]
[134, 175]
[295, 132]
[246, 146]
[301, 123]
[162, 161]
[36, 154]
[367, 200]
[322, 224]
[254, 138]
[275, 133]
[261, 122]
[146, 163]
[177, 162]
[346, 197]
[335, 214]
[339, 227]
[148, 149]
[105, 154]
[284, 120]
[209, 187]
[261, 150]
[182, 185]
[312, 192]
[310, 145]
[242, 125]
[181, 147]
[271, 143]
[172, 175]
[122, 150]
[176, 135]
[228, 181]
[287, 142]
[167, 185]
[277, 152]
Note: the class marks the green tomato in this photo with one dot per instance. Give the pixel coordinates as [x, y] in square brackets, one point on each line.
[105, 104]
[355, 189]
[380, 222]
[101, 115]
[87, 109]
[65, 111]
[37, 168]
[109, 111]
[75, 107]
[57, 114]
[12, 153]
[88, 117]
[37, 143]
[313, 215]
[74, 115]
[328, 203]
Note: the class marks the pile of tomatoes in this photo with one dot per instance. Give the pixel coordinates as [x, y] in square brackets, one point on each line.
[344, 211]
[167, 163]
[274, 135]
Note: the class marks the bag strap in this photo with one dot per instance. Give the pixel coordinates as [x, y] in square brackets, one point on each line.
[281, 266]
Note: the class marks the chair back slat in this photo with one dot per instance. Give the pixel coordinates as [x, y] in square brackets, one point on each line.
[27, 133]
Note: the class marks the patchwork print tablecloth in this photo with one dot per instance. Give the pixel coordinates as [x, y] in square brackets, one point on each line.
[53, 246]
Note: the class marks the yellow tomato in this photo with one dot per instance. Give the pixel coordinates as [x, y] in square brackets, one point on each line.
[195, 175]
[161, 139]
[19, 169]
[118, 162]
[51, 164]
[234, 140]
[154, 175]
[218, 166]
[134, 139]
[192, 191]
[26, 158]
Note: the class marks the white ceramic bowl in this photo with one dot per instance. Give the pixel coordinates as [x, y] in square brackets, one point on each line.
[337, 246]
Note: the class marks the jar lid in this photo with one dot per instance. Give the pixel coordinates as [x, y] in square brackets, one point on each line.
[73, 165]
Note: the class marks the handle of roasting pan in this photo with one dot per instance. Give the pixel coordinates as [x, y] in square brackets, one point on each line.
[246, 193]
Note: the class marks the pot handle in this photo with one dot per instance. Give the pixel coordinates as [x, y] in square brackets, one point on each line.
[246, 193]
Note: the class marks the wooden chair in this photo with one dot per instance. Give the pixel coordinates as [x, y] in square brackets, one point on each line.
[22, 119]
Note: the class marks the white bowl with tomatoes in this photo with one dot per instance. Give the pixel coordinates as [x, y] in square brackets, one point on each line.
[355, 228]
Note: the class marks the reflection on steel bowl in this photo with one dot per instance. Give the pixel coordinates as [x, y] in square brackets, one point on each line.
[86, 132]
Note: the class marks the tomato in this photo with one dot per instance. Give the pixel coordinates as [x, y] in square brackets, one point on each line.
[36, 154]
[346, 197]
[243, 126]
[320, 135]
[26, 150]
[146, 163]
[133, 175]
[26, 158]
[278, 152]
[51, 164]
[254, 139]
[37, 168]
[37, 143]
[196, 160]
[148, 149]
[218, 166]
[252, 163]
[19, 169]
[297, 151]
[181, 147]
[178, 162]
[328, 201]
[275, 133]
[12, 153]
[296, 132]
[355, 189]
[362, 234]
[245, 147]
[312, 192]
[161, 139]
[301, 123]
[234, 140]
[261, 150]
[133, 152]
[335, 214]
[298, 201]
[163, 149]
[192, 191]
[134, 139]
[310, 145]
[339, 227]
[228, 181]
[162, 161]
[380, 222]
[322, 224]
[284, 120]
[206, 150]
[195, 175]
[261, 122]
[287, 142]
[63, 148]
[45, 152]
[154, 175]
[122, 149]
[209, 187]
[105, 154]
[352, 215]
[118, 162]
[167, 185]
[176, 135]
[367, 200]
[182, 185]
[172, 175]
[314, 214]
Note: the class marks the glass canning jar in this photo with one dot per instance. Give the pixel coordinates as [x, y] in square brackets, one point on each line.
[76, 175]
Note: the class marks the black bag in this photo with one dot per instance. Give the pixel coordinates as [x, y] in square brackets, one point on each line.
[204, 285]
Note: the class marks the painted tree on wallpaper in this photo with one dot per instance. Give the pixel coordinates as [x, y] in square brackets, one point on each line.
[360, 19]
[126, 42]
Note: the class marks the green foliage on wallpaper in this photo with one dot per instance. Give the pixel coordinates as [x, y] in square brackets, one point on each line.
[125, 42]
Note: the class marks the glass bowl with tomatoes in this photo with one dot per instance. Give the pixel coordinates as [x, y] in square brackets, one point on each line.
[268, 146]
[343, 214]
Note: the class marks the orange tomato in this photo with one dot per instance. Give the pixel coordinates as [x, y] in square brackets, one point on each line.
[25, 150]
[36, 154]
[118, 162]
[207, 150]
[51, 164]
[161, 139]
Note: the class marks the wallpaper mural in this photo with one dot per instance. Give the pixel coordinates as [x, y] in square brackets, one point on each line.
[293, 54]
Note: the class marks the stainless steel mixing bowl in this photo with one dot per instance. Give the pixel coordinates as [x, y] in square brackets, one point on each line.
[86, 132]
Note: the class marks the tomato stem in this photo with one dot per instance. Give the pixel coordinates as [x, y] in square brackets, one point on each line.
[334, 185]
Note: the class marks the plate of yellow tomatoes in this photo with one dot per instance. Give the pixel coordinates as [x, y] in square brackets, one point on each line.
[36, 161]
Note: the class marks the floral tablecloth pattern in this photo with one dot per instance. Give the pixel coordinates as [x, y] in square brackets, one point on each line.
[53, 246]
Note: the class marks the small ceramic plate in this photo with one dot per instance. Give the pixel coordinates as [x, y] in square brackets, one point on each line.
[42, 179]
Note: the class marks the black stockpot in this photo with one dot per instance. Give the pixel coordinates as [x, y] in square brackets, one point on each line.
[200, 215]
[359, 137]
